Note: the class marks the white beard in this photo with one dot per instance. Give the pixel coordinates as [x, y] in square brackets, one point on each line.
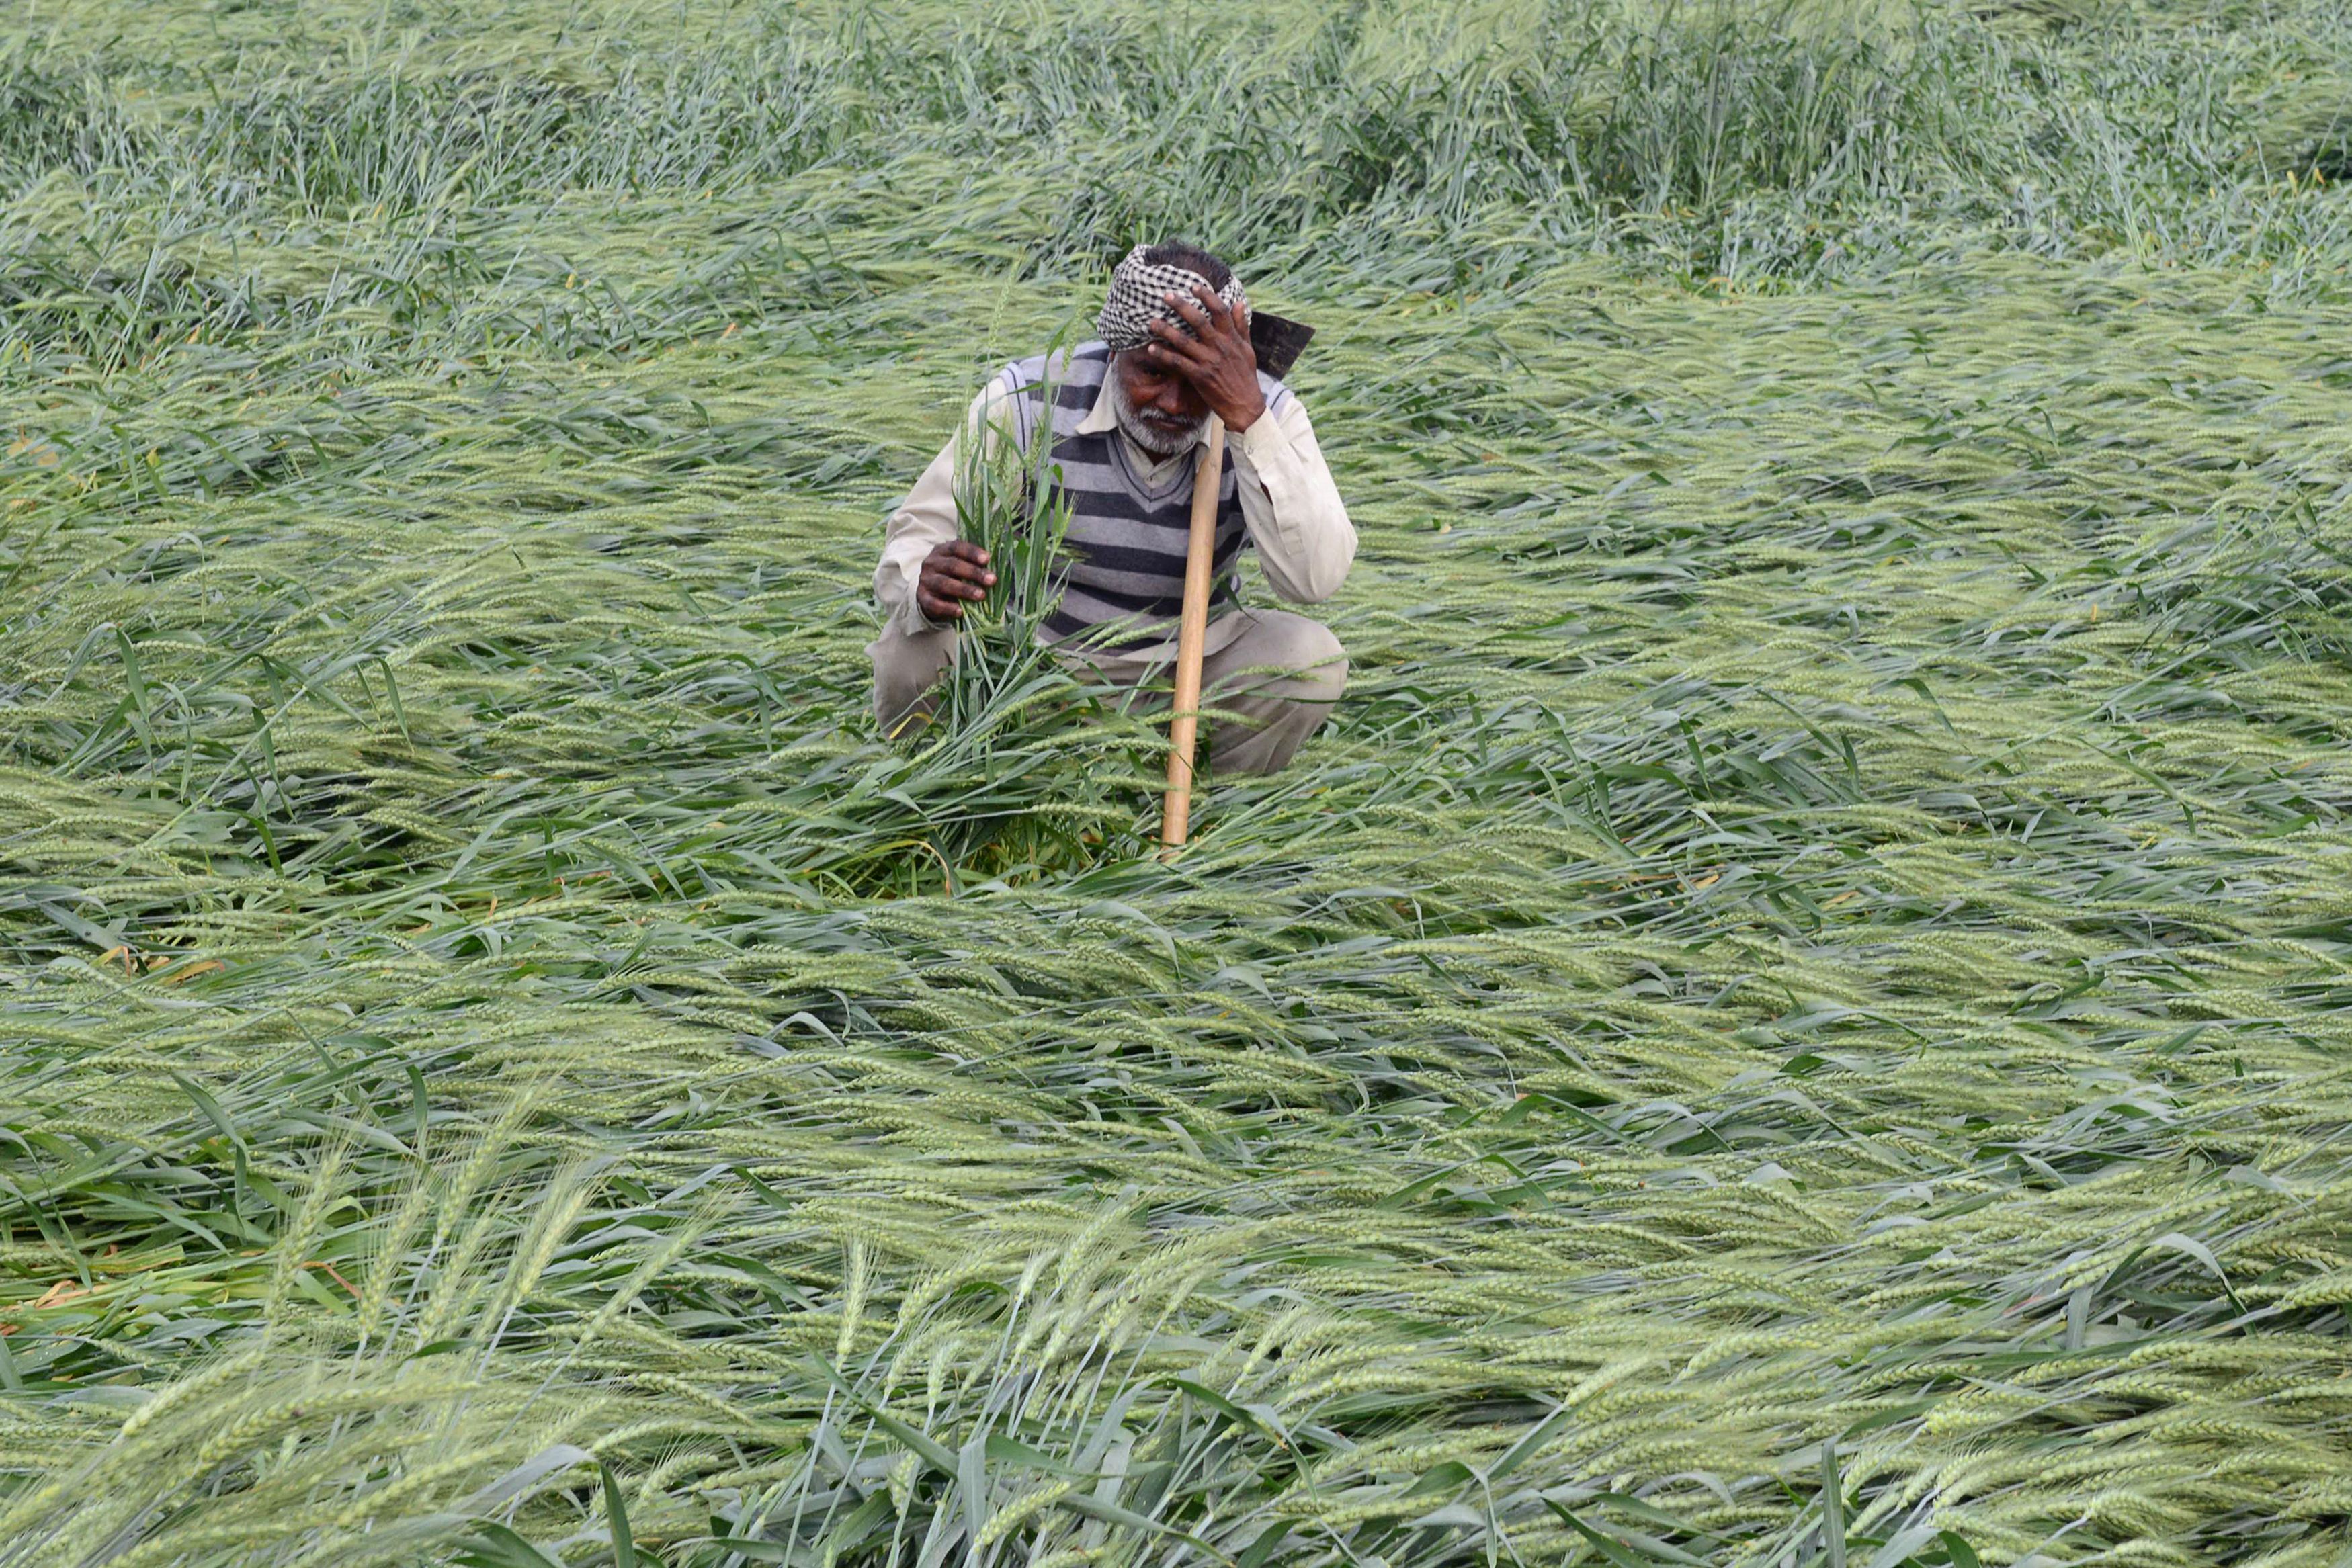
[1160, 440]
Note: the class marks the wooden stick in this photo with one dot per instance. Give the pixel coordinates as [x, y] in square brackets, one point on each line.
[1191, 632]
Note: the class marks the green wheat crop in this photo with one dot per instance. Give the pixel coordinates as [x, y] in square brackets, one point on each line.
[1799, 1013]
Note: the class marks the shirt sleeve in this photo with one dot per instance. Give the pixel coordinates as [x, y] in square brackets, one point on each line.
[927, 517]
[1290, 506]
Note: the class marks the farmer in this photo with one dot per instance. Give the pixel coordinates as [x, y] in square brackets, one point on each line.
[1129, 413]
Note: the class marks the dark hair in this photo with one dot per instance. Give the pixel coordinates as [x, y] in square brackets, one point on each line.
[1192, 258]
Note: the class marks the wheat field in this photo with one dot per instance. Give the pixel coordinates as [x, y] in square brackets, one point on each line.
[1799, 1014]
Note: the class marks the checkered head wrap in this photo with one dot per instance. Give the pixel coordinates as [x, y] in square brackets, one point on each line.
[1135, 303]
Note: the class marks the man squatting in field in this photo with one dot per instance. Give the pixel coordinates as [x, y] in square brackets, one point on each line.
[1130, 412]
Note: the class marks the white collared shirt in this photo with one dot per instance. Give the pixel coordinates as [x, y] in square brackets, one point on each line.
[1290, 508]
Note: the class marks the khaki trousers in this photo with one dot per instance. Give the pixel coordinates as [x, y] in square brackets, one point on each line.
[1278, 677]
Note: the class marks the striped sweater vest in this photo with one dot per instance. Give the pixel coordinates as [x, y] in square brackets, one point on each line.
[1123, 556]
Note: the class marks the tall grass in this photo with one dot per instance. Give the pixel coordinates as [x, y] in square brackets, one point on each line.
[1795, 1014]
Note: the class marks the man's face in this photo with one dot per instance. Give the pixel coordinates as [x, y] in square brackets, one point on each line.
[1157, 408]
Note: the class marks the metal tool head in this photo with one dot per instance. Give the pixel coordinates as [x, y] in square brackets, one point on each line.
[1277, 341]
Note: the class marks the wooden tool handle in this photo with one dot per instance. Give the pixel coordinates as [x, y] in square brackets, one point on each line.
[1191, 632]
